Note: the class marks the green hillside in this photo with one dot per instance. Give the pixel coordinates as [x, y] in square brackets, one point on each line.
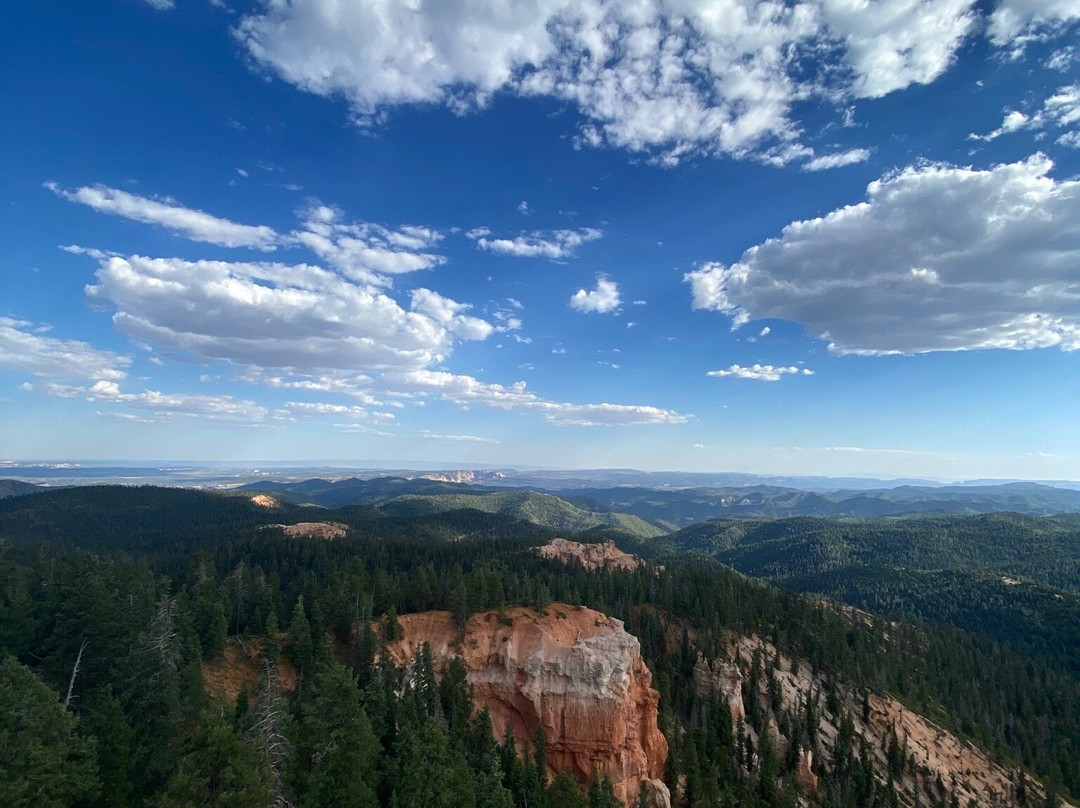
[539, 509]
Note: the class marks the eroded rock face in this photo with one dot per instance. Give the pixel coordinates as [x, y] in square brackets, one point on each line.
[721, 678]
[314, 530]
[591, 556]
[804, 773]
[573, 670]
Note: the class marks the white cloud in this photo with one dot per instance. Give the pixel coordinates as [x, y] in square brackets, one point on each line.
[524, 209]
[429, 435]
[765, 332]
[194, 224]
[1015, 121]
[601, 300]
[450, 314]
[937, 259]
[552, 244]
[164, 405]
[161, 5]
[1016, 22]
[837, 160]
[468, 391]
[302, 318]
[1063, 59]
[761, 373]
[28, 352]
[892, 44]
[321, 408]
[1062, 109]
[665, 77]
[75, 249]
[367, 252]
[302, 326]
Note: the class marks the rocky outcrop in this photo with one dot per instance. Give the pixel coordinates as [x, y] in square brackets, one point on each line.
[721, 678]
[314, 530]
[804, 773]
[465, 477]
[574, 671]
[939, 757]
[592, 557]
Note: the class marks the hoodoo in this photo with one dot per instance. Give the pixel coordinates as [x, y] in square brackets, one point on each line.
[573, 670]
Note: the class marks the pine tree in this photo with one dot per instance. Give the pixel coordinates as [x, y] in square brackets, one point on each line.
[342, 748]
[218, 770]
[45, 763]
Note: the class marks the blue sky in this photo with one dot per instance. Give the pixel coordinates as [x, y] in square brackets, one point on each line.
[822, 237]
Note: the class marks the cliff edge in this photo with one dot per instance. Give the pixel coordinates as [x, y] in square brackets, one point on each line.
[573, 670]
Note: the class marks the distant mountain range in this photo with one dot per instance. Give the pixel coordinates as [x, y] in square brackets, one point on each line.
[660, 510]
[404, 497]
[566, 503]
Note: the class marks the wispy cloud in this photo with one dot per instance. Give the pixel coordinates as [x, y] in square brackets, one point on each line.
[1061, 110]
[429, 435]
[837, 160]
[193, 224]
[761, 373]
[551, 244]
[24, 348]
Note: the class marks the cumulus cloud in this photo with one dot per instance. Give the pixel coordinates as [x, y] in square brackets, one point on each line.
[552, 244]
[601, 300]
[1014, 23]
[364, 251]
[167, 213]
[892, 44]
[24, 350]
[938, 258]
[450, 314]
[667, 77]
[761, 373]
[837, 160]
[326, 329]
[301, 317]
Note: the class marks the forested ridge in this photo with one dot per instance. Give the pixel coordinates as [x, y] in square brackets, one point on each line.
[138, 587]
[1013, 578]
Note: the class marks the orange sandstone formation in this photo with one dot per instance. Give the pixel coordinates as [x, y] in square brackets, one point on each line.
[573, 670]
[591, 556]
[314, 530]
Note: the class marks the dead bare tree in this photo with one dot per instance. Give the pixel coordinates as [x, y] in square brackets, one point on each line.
[74, 673]
[267, 729]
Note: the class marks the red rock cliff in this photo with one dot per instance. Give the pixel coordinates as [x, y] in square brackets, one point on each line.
[575, 670]
[592, 557]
